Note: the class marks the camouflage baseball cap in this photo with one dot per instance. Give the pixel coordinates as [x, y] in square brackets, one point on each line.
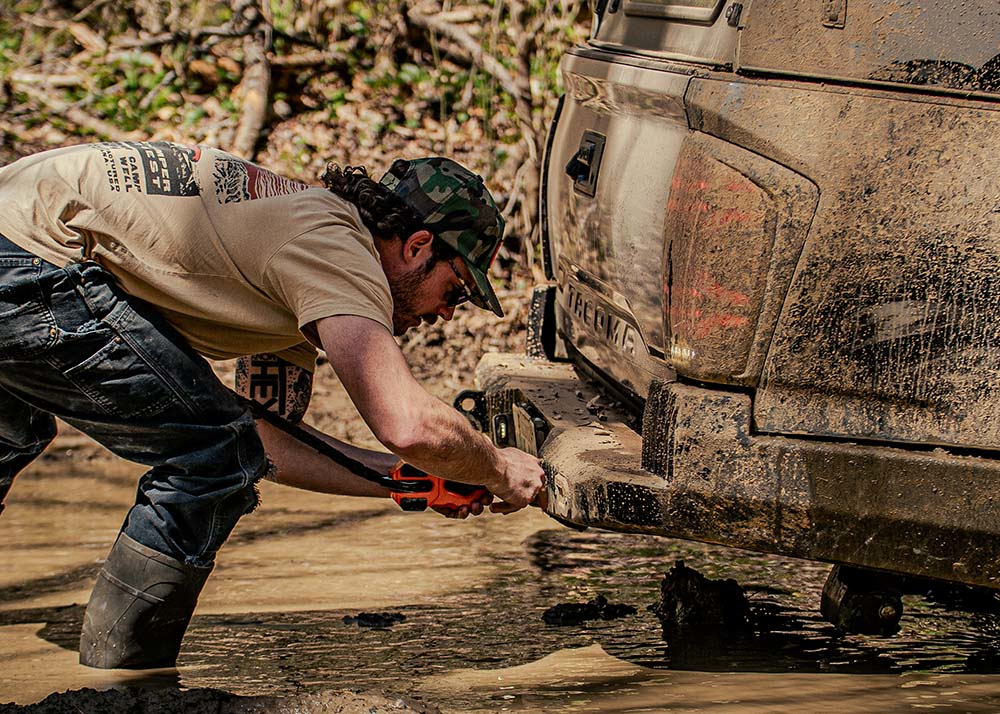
[454, 204]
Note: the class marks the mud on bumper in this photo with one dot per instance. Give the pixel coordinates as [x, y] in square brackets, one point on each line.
[698, 472]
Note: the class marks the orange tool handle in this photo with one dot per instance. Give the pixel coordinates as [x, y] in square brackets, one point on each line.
[440, 492]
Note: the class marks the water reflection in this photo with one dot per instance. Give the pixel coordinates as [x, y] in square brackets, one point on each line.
[495, 625]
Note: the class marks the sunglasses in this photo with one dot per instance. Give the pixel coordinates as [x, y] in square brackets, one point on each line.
[459, 293]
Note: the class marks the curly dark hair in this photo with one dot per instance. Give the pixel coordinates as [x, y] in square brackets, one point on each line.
[382, 211]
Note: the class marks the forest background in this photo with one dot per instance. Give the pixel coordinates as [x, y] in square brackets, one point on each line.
[294, 84]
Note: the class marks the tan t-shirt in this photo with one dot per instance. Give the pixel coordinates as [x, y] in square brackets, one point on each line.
[237, 258]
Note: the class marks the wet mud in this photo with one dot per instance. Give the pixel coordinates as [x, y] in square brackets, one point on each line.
[375, 619]
[690, 601]
[575, 613]
[213, 701]
[271, 622]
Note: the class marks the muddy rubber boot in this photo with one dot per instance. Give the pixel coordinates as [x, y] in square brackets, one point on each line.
[139, 609]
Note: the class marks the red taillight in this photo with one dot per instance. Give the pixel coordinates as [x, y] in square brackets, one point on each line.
[720, 228]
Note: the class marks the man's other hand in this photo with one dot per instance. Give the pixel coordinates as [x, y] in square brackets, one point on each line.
[473, 509]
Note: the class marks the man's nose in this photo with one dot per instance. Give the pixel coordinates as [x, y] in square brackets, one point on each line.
[447, 313]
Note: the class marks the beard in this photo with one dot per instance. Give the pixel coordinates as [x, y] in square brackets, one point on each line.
[404, 289]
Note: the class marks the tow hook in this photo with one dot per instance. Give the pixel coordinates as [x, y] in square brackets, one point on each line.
[472, 404]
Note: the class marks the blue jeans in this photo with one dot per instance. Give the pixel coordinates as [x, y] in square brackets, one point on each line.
[73, 344]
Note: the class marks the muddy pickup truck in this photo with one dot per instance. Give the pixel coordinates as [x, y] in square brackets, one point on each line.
[772, 238]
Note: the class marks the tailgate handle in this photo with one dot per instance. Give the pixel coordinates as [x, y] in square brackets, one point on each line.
[586, 163]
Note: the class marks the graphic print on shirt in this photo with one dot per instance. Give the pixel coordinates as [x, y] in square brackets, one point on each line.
[237, 180]
[153, 167]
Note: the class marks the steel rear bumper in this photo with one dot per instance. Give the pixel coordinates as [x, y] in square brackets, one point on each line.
[699, 473]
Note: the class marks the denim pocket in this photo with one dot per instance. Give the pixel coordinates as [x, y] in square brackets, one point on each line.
[27, 327]
[115, 375]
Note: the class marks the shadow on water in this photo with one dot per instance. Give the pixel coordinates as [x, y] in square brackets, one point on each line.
[60, 582]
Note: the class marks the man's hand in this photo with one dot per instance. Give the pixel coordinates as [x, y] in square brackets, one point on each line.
[525, 482]
[473, 509]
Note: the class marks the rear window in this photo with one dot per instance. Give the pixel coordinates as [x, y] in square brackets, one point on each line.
[934, 43]
[695, 10]
[678, 30]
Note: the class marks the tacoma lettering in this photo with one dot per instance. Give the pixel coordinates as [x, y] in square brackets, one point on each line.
[602, 321]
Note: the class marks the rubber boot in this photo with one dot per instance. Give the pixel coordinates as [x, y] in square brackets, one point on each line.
[139, 609]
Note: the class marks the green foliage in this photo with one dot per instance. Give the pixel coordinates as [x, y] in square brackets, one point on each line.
[194, 115]
[361, 13]
[335, 99]
[385, 82]
[388, 74]
[28, 6]
[122, 86]
[395, 67]
[9, 45]
[283, 14]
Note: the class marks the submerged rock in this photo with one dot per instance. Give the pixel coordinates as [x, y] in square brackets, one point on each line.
[213, 701]
[689, 600]
[379, 620]
[573, 613]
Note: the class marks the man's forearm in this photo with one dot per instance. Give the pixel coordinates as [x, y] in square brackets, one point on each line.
[449, 447]
[418, 427]
[300, 466]
[446, 445]
[284, 389]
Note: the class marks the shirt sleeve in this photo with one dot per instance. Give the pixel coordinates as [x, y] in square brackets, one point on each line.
[327, 272]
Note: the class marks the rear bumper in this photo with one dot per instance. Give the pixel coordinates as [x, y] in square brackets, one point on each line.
[699, 473]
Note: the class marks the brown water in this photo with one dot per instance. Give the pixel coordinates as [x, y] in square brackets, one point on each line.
[473, 593]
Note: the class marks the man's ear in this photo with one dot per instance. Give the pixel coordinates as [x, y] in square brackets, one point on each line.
[417, 247]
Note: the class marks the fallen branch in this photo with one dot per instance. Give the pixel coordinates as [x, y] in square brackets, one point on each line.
[75, 115]
[97, 4]
[255, 88]
[317, 58]
[87, 38]
[491, 65]
[165, 38]
[459, 14]
[20, 76]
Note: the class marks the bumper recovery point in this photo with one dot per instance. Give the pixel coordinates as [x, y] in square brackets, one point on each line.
[592, 457]
[699, 473]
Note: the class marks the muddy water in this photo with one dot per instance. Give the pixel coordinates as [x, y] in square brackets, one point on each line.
[473, 593]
